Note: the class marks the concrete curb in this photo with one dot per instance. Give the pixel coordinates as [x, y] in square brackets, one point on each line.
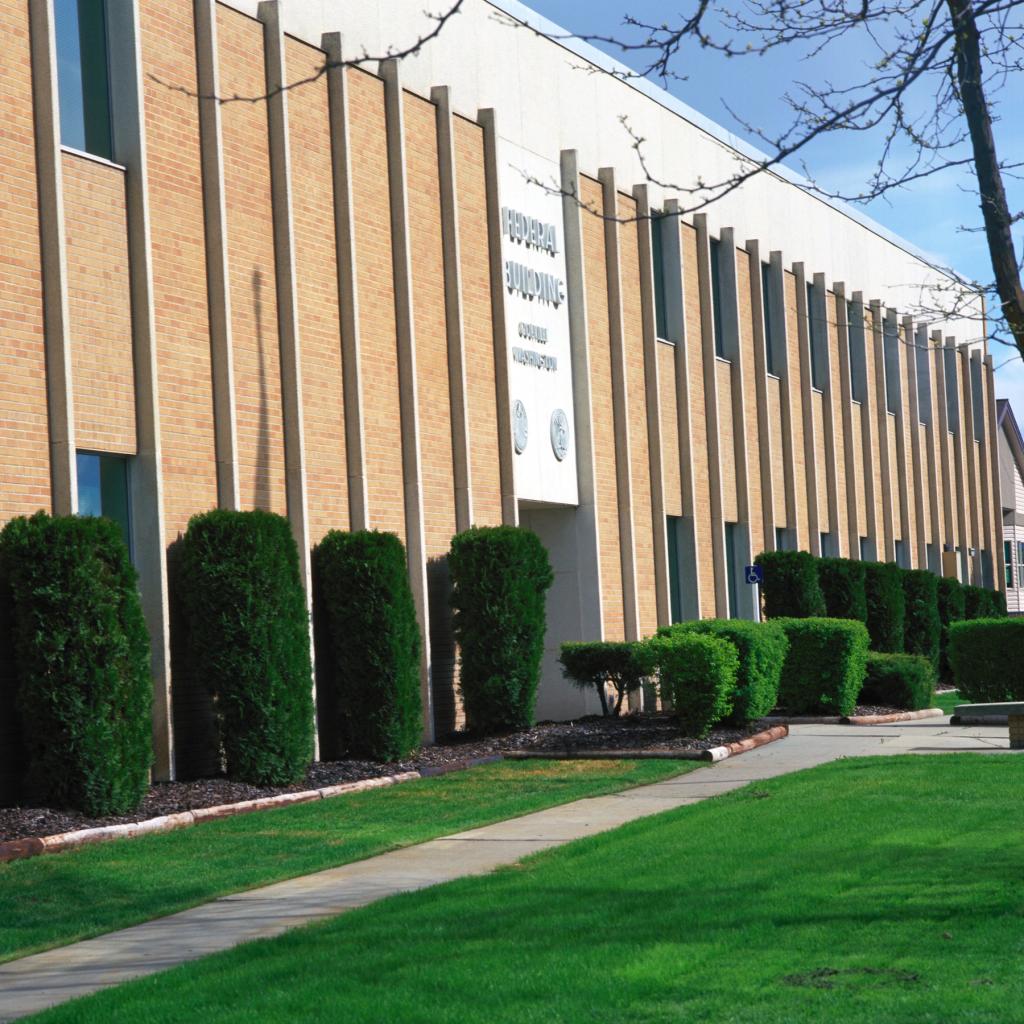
[896, 716]
[713, 754]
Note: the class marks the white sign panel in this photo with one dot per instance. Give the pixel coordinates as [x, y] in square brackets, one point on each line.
[540, 367]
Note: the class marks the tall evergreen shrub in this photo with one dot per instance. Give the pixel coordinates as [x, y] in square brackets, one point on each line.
[825, 666]
[369, 645]
[985, 655]
[975, 602]
[883, 587]
[790, 585]
[248, 636]
[922, 627]
[951, 609]
[80, 663]
[842, 584]
[500, 578]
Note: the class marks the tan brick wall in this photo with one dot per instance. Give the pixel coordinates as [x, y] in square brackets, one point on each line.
[698, 421]
[796, 414]
[669, 429]
[750, 427]
[818, 418]
[632, 320]
[179, 263]
[256, 353]
[24, 437]
[316, 285]
[842, 527]
[778, 452]
[726, 441]
[379, 353]
[99, 305]
[478, 333]
[599, 339]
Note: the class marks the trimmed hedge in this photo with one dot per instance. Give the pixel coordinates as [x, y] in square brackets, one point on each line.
[985, 656]
[697, 673]
[922, 627]
[886, 606]
[842, 585]
[599, 665]
[81, 663]
[761, 647]
[790, 585]
[982, 603]
[500, 577]
[899, 681]
[825, 666]
[368, 645]
[951, 609]
[247, 634]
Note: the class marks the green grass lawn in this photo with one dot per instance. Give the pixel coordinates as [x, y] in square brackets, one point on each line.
[59, 898]
[948, 701]
[867, 890]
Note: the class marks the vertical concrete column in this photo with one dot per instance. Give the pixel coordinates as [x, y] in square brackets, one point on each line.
[348, 293]
[970, 456]
[960, 473]
[992, 441]
[947, 485]
[807, 410]
[652, 395]
[126, 88]
[892, 329]
[828, 426]
[760, 372]
[506, 466]
[984, 483]
[873, 529]
[588, 540]
[415, 540]
[932, 470]
[620, 408]
[56, 328]
[887, 553]
[715, 453]
[440, 96]
[675, 310]
[218, 288]
[780, 328]
[853, 517]
[910, 336]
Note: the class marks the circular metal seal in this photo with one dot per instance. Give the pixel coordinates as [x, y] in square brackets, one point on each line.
[559, 434]
[520, 426]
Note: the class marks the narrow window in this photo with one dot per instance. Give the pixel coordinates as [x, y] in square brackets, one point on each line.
[83, 76]
[924, 382]
[817, 331]
[731, 569]
[865, 549]
[781, 538]
[977, 404]
[716, 296]
[902, 554]
[658, 258]
[825, 540]
[1020, 553]
[952, 389]
[103, 489]
[675, 585]
[891, 352]
[858, 357]
[772, 353]
[1008, 559]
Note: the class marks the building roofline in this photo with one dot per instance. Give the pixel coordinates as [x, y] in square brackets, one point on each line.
[1008, 423]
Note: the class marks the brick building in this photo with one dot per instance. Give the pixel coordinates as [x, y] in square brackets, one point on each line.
[424, 294]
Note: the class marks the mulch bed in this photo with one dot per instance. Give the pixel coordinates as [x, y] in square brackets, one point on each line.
[630, 732]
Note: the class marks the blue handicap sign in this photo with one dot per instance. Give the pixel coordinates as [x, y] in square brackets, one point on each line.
[754, 574]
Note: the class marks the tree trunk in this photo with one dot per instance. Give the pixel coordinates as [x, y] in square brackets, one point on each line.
[994, 207]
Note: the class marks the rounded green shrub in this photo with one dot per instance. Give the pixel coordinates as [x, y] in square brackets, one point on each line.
[368, 645]
[500, 578]
[247, 634]
[600, 665]
[697, 673]
[842, 584]
[985, 656]
[899, 681]
[81, 663]
[883, 588]
[761, 647]
[951, 609]
[825, 666]
[790, 585]
[922, 627]
[975, 601]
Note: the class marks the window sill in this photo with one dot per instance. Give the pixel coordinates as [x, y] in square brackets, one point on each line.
[772, 376]
[71, 151]
[723, 359]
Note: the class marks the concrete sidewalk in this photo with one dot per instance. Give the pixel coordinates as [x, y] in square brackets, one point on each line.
[45, 979]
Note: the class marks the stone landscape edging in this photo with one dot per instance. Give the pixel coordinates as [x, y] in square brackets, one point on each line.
[19, 849]
[713, 754]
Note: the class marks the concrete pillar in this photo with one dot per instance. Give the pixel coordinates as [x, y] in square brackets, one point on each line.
[652, 395]
[415, 541]
[780, 328]
[992, 441]
[887, 553]
[56, 329]
[892, 330]
[126, 88]
[509, 505]
[828, 428]
[348, 295]
[760, 374]
[218, 288]
[811, 456]
[620, 409]
[853, 516]
[715, 453]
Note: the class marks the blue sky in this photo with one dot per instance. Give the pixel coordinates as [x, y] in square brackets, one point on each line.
[929, 213]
